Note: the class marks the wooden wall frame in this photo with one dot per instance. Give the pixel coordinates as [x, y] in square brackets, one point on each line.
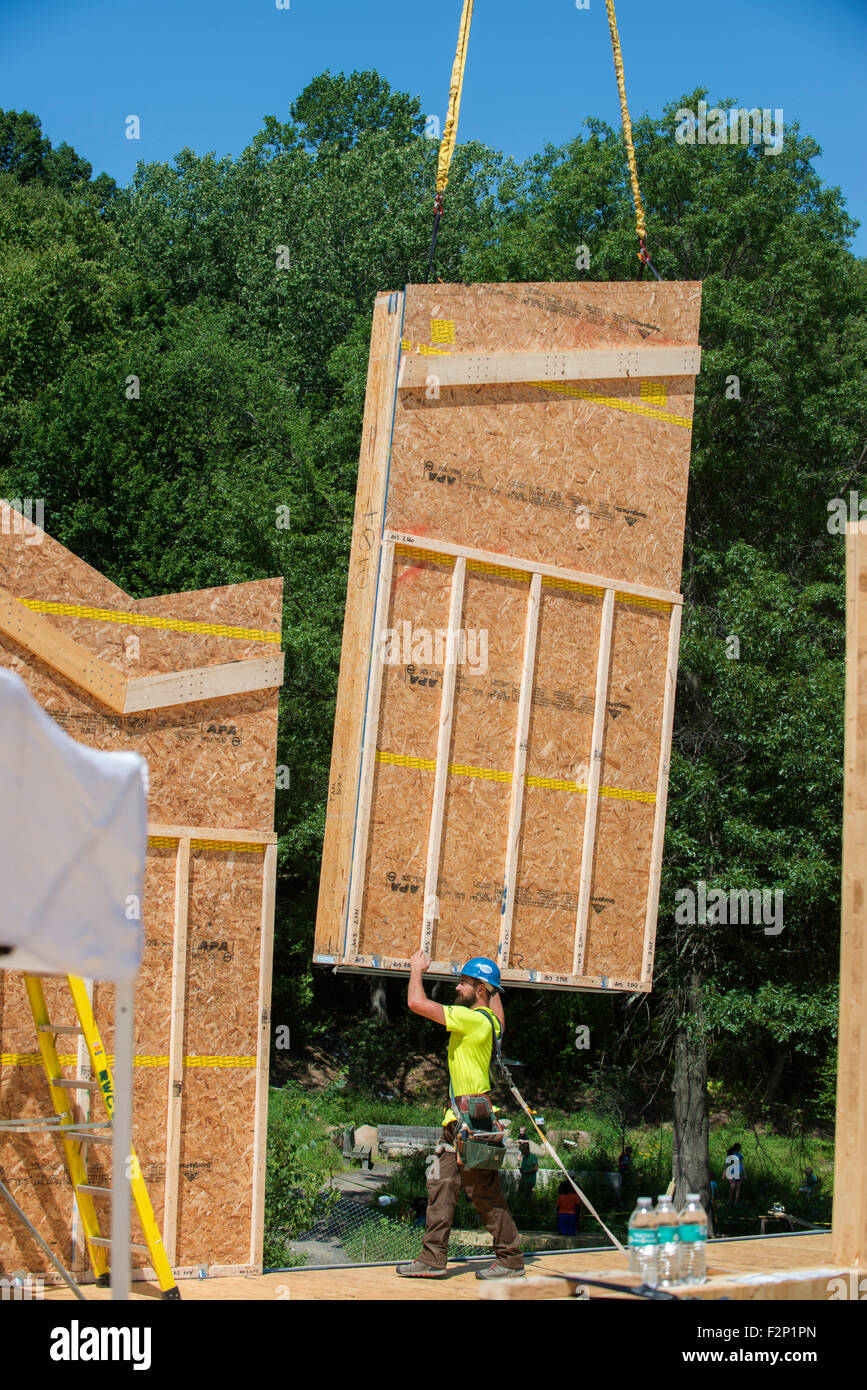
[469, 388]
[204, 713]
[850, 1175]
[351, 958]
[131, 695]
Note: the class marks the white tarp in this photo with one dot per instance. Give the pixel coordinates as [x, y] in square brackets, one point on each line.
[73, 840]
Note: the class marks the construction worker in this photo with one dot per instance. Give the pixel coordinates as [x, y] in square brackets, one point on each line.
[470, 1046]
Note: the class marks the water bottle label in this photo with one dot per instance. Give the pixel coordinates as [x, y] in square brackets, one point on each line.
[642, 1237]
[693, 1232]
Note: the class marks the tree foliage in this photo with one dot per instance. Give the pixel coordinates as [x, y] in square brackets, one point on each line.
[237, 295]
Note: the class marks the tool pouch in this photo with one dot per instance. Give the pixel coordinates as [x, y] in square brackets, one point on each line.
[478, 1134]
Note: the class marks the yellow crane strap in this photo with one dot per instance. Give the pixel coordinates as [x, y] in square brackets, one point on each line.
[450, 133]
[640, 229]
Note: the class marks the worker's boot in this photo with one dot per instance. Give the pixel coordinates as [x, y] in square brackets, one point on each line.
[419, 1270]
[498, 1271]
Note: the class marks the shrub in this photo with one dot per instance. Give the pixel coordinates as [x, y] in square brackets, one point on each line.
[299, 1162]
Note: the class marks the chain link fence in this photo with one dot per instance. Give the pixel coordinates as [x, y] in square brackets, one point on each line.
[349, 1231]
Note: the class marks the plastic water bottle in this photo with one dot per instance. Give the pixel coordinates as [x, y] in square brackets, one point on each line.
[692, 1228]
[642, 1242]
[667, 1242]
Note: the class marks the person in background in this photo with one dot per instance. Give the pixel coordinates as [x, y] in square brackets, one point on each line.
[624, 1168]
[810, 1183]
[714, 1193]
[568, 1210]
[734, 1171]
[529, 1168]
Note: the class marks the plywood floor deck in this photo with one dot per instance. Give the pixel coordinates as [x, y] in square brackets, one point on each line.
[803, 1260]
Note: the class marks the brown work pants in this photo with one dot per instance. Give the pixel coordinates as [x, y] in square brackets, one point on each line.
[484, 1191]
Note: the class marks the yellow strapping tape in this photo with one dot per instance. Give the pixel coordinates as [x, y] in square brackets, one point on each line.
[654, 392]
[32, 1059]
[556, 784]
[614, 402]
[443, 331]
[548, 581]
[162, 842]
[111, 615]
[494, 775]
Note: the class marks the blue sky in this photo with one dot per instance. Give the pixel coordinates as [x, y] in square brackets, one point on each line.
[203, 73]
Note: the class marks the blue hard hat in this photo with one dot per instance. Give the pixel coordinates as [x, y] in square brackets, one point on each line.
[480, 968]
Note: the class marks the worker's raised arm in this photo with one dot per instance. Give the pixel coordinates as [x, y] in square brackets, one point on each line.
[416, 997]
[496, 1003]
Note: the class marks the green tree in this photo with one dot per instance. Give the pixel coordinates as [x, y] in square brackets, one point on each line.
[28, 156]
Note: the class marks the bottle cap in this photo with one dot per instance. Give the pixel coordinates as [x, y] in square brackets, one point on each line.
[693, 1196]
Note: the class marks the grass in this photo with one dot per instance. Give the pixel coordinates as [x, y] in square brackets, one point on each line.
[774, 1169]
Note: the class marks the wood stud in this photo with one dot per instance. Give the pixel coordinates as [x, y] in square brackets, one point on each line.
[368, 753]
[594, 773]
[444, 739]
[519, 764]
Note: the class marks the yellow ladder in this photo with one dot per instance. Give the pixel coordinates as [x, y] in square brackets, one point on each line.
[75, 1135]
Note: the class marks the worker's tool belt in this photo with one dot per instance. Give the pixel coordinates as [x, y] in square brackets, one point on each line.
[479, 1136]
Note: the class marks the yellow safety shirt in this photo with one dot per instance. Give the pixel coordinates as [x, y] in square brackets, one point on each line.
[470, 1044]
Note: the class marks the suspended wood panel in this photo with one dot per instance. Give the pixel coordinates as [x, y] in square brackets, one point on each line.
[501, 749]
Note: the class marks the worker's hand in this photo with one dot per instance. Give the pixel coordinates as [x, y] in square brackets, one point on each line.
[419, 963]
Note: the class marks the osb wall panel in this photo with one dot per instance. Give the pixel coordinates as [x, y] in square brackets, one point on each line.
[475, 827]
[211, 764]
[507, 468]
[587, 476]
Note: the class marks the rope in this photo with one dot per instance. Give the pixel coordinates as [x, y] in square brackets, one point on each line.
[528, 1112]
[450, 133]
[640, 227]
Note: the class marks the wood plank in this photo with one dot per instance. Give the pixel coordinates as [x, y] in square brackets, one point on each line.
[69, 658]
[174, 1117]
[661, 794]
[344, 774]
[501, 368]
[490, 557]
[594, 773]
[445, 970]
[260, 1131]
[850, 1152]
[431, 910]
[210, 832]
[793, 1271]
[203, 683]
[368, 757]
[519, 764]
